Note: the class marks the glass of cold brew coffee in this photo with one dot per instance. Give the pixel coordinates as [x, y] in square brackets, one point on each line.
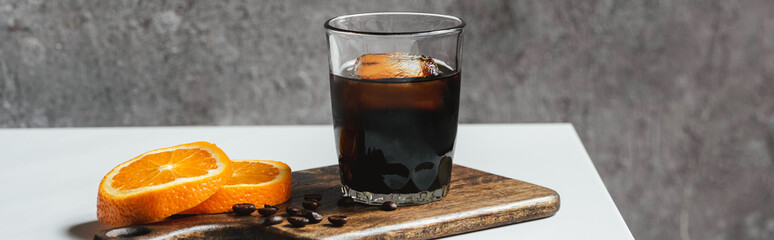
[395, 92]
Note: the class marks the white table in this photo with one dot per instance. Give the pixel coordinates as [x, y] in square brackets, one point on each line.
[50, 176]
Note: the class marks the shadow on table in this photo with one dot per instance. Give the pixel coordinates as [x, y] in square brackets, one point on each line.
[86, 230]
[484, 229]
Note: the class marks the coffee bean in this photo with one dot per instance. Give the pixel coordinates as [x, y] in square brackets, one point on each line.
[267, 211]
[293, 211]
[243, 209]
[315, 196]
[276, 219]
[310, 204]
[338, 220]
[346, 201]
[313, 216]
[389, 206]
[298, 221]
[270, 206]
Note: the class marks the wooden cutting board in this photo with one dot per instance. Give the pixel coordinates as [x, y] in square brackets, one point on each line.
[477, 200]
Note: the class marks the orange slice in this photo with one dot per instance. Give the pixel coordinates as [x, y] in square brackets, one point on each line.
[162, 182]
[254, 181]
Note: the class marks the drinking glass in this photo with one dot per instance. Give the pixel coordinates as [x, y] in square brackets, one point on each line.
[395, 90]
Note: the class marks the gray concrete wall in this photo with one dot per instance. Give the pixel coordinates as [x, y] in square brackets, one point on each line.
[673, 99]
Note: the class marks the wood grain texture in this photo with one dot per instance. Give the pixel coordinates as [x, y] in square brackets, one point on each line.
[477, 200]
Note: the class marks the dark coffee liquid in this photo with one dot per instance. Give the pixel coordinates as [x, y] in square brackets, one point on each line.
[396, 135]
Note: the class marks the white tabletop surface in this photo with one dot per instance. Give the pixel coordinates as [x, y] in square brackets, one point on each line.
[50, 176]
